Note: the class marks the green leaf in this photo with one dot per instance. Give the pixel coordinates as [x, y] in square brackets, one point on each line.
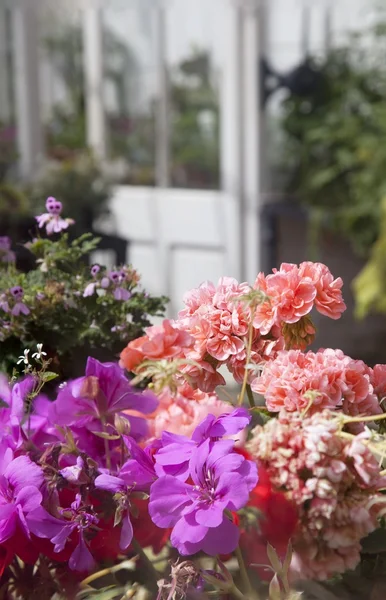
[49, 376]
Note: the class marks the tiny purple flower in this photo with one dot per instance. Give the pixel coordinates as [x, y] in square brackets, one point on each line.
[105, 282]
[95, 270]
[4, 303]
[76, 518]
[17, 292]
[89, 290]
[221, 481]
[121, 294]
[19, 307]
[115, 276]
[52, 220]
[6, 254]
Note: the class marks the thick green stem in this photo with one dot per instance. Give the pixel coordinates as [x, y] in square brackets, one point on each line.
[243, 572]
[106, 443]
[247, 360]
[251, 399]
[147, 564]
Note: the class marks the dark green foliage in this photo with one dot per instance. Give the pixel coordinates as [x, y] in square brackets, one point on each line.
[70, 326]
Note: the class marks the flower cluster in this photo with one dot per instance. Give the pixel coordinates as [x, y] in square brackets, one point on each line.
[332, 479]
[102, 470]
[297, 381]
[72, 472]
[118, 282]
[272, 314]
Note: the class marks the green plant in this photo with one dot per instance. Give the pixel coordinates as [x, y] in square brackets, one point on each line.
[334, 151]
[73, 312]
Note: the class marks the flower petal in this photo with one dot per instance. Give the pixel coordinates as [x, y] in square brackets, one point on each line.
[168, 497]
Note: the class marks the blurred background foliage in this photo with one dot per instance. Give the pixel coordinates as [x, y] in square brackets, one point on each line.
[336, 161]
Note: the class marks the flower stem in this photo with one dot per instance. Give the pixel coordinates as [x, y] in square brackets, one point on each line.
[247, 359]
[251, 399]
[243, 572]
[148, 565]
[106, 443]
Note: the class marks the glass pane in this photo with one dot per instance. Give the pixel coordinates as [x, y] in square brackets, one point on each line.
[194, 56]
[8, 146]
[62, 90]
[130, 80]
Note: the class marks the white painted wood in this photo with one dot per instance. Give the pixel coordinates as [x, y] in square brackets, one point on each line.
[93, 67]
[5, 108]
[27, 92]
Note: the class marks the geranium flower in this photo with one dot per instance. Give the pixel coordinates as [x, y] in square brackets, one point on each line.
[94, 400]
[78, 519]
[221, 481]
[177, 450]
[160, 342]
[20, 482]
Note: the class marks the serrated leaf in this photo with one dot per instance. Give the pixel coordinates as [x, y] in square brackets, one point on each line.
[49, 376]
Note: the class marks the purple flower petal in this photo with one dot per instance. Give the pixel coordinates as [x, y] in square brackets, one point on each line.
[222, 539]
[22, 472]
[8, 521]
[110, 483]
[126, 533]
[168, 496]
[81, 559]
[29, 498]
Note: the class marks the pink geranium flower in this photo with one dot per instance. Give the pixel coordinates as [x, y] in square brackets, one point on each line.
[296, 381]
[160, 342]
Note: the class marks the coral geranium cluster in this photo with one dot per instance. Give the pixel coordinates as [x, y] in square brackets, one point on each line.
[145, 454]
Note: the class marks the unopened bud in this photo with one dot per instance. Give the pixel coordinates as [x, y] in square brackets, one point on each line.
[122, 425]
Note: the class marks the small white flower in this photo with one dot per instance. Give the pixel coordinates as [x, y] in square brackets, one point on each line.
[39, 354]
[24, 358]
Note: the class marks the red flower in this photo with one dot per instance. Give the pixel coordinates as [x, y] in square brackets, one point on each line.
[145, 532]
[276, 524]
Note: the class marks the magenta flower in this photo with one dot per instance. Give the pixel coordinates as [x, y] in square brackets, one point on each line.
[52, 220]
[174, 456]
[221, 481]
[13, 397]
[20, 480]
[136, 475]
[92, 401]
[76, 518]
